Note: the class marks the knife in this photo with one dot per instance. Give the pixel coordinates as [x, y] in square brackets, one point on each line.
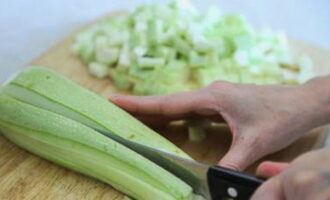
[211, 182]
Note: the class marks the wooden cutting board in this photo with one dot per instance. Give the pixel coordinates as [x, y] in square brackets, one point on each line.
[24, 176]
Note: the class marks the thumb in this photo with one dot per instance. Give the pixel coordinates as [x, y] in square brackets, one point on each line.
[238, 157]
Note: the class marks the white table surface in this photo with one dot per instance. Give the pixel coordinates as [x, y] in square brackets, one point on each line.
[29, 27]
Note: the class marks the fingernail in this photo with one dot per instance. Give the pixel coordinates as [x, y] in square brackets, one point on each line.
[115, 96]
[269, 169]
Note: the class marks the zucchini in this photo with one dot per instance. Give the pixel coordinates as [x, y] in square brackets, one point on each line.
[47, 89]
[50, 116]
[152, 35]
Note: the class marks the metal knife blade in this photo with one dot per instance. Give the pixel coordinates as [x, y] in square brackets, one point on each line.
[211, 182]
[192, 172]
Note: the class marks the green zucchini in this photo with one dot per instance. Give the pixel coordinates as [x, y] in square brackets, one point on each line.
[50, 116]
[49, 90]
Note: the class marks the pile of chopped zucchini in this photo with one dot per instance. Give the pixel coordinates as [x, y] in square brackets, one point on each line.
[166, 48]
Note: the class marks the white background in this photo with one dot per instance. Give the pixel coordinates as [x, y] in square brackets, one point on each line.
[29, 27]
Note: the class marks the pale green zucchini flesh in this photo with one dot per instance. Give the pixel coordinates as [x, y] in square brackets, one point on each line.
[80, 148]
[48, 90]
[49, 115]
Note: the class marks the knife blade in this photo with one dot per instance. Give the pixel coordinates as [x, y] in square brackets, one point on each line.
[211, 182]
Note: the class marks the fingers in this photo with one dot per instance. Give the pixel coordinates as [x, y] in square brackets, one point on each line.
[270, 190]
[303, 183]
[172, 106]
[269, 169]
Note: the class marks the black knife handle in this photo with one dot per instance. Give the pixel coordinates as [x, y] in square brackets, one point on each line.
[229, 184]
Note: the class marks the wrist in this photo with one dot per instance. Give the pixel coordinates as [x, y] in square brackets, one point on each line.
[317, 95]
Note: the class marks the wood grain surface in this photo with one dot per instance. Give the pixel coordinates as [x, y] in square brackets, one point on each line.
[24, 176]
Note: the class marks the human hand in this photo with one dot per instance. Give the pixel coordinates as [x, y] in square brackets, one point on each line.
[262, 119]
[308, 177]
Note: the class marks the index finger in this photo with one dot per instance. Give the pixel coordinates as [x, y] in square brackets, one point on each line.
[173, 105]
[269, 169]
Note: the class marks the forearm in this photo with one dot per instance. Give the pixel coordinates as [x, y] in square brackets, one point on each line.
[318, 99]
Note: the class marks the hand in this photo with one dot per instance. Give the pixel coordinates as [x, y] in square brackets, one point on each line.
[262, 119]
[308, 177]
